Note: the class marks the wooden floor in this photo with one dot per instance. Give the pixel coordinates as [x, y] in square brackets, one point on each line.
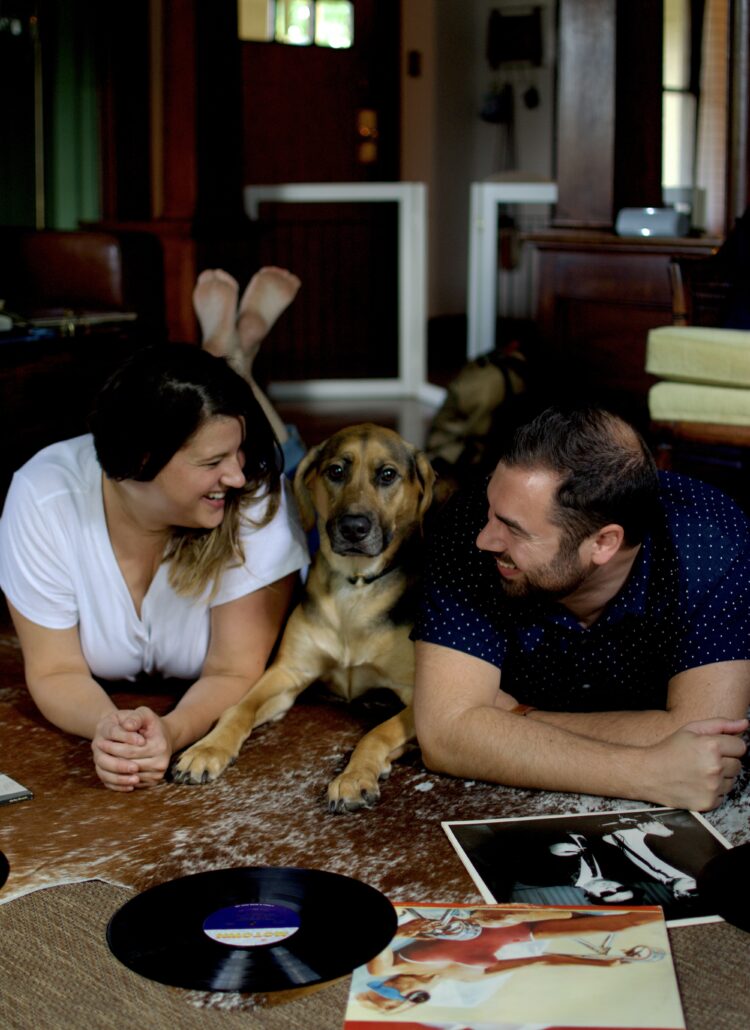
[446, 355]
[316, 420]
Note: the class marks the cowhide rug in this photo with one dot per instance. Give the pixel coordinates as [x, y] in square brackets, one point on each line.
[268, 810]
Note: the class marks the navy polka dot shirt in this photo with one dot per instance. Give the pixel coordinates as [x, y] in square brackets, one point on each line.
[685, 603]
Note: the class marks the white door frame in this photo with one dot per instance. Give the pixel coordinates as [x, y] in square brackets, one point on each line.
[411, 198]
[483, 270]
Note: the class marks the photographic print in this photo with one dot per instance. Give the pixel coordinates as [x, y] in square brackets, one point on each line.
[641, 857]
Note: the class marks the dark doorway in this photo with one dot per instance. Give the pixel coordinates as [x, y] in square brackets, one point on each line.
[314, 114]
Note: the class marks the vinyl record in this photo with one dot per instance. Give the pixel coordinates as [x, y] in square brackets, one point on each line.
[255, 929]
[723, 883]
[4, 868]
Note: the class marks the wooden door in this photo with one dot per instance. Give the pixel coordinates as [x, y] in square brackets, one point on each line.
[313, 114]
[305, 109]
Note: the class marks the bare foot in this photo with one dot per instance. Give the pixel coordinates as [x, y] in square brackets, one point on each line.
[215, 302]
[268, 294]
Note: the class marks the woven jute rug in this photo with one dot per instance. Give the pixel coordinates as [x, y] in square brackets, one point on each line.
[56, 972]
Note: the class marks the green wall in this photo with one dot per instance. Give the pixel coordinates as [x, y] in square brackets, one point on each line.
[72, 176]
[69, 57]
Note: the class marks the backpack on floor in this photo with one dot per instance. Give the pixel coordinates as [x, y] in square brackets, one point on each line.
[485, 402]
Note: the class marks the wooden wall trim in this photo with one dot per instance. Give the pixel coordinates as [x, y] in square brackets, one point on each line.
[609, 102]
[586, 112]
[738, 165]
[179, 107]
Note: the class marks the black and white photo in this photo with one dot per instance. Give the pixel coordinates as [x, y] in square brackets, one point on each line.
[641, 857]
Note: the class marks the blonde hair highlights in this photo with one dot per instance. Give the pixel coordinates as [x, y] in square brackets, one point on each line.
[197, 558]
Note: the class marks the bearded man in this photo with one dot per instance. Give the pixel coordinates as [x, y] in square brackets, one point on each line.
[585, 622]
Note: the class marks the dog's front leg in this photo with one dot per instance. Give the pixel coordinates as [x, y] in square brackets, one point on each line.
[270, 698]
[357, 786]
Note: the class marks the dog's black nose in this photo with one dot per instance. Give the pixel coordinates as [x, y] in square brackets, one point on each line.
[354, 527]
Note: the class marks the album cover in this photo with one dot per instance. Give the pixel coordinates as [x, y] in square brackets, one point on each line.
[11, 791]
[645, 856]
[500, 967]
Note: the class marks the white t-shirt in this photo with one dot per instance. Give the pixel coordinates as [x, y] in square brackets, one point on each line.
[58, 569]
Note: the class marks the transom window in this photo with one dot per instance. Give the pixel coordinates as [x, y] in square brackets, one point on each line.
[327, 23]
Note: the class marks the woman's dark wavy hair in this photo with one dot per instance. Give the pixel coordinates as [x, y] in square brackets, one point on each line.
[148, 410]
[607, 473]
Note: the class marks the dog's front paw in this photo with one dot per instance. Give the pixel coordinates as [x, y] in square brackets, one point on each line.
[351, 790]
[201, 763]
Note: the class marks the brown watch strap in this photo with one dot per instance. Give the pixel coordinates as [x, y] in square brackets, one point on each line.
[522, 709]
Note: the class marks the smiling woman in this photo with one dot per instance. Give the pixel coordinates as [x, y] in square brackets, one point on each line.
[161, 544]
[169, 429]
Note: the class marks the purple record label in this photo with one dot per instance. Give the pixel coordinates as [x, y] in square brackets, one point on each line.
[248, 926]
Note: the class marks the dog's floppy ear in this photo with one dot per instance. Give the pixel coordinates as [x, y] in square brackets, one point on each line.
[303, 477]
[426, 478]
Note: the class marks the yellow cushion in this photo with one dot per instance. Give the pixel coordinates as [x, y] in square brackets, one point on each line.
[693, 402]
[699, 354]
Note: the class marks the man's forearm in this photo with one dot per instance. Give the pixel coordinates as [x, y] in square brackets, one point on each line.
[490, 744]
[638, 729]
[721, 689]
[692, 768]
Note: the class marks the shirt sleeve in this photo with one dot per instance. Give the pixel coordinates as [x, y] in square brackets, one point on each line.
[459, 604]
[271, 551]
[34, 574]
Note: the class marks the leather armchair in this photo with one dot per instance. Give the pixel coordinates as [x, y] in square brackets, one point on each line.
[83, 274]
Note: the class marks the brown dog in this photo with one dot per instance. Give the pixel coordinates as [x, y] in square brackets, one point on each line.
[368, 490]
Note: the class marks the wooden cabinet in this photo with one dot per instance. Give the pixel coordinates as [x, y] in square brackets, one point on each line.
[597, 296]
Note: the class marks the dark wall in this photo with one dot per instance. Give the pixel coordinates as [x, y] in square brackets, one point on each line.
[17, 150]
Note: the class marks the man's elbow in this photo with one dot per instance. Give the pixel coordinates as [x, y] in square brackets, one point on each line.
[432, 758]
[434, 744]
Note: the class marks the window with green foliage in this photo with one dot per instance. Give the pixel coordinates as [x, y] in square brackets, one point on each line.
[327, 23]
[334, 23]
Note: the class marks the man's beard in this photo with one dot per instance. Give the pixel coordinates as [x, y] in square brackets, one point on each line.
[553, 581]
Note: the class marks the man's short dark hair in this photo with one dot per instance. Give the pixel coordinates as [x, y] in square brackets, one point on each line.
[607, 473]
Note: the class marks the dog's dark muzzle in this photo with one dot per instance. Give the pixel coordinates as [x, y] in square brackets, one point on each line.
[356, 534]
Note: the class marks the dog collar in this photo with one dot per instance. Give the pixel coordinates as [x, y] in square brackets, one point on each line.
[366, 580]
